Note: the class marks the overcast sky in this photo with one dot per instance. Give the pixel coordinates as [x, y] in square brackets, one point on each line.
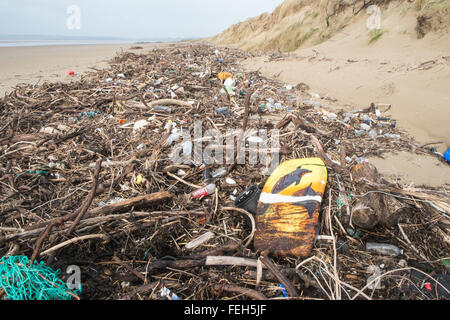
[128, 18]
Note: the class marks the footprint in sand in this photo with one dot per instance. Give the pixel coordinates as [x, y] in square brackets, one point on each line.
[388, 89]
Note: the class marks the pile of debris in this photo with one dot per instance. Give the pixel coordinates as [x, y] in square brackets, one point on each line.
[87, 179]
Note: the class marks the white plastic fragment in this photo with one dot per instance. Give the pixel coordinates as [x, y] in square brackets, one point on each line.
[166, 293]
[374, 281]
[230, 181]
[139, 125]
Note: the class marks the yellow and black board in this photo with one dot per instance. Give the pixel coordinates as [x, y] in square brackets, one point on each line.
[288, 208]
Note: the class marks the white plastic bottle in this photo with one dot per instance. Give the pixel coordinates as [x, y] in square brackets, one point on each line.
[384, 249]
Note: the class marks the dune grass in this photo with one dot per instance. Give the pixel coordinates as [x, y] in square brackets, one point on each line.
[375, 35]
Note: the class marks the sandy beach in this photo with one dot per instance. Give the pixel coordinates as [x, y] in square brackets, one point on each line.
[36, 64]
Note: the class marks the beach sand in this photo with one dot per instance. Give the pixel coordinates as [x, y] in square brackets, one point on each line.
[36, 64]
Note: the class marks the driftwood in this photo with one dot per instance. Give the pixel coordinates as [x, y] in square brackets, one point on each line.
[374, 208]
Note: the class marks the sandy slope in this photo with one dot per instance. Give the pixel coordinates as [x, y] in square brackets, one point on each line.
[411, 74]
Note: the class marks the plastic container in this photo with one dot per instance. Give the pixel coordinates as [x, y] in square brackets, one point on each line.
[384, 249]
[162, 108]
[447, 155]
[219, 173]
[209, 189]
[248, 199]
[391, 136]
[222, 110]
[374, 281]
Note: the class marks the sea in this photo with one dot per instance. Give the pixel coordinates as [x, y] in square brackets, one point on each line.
[57, 42]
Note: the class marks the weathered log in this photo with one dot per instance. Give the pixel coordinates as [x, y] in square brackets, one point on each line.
[363, 215]
[374, 208]
[123, 206]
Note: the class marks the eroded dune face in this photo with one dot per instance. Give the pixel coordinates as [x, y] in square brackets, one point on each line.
[404, 62]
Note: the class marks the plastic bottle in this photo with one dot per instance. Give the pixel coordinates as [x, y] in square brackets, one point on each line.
[372, 134]
[219, 173]
[384, 249]
[162, 108]
[222, 110]
[391, 136]
[210, 188]
[187, 148]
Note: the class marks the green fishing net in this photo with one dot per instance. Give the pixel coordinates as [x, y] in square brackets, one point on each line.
[36, 282]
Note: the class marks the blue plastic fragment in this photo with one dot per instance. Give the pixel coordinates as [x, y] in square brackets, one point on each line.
[447, 155]
[283, 289]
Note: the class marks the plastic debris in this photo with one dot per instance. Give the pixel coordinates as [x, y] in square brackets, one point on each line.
[162, 108]
[224, 75]
[166, 293]
[248, 199]
[374, 281]
[139, 125]
[139, 179]
[219, 173]
[209, 189]
[447, 155]
[384, 249]
[21, 281]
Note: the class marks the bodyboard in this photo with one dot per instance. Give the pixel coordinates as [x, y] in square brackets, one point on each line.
[288, 208]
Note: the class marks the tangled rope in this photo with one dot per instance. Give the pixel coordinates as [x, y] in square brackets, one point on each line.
[35, 282]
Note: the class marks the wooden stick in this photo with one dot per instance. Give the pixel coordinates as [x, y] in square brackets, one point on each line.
[256, 295]
[90, 197]
[230, 261]
[66, 243]
[281, 277]
[246, 109]
[160, 145]
[169, 102]
[183, 181]
[129, 268]
[250, 217]
[123, 206]
[197, 242]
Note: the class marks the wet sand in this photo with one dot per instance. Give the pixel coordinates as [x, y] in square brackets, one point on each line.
[37, 64]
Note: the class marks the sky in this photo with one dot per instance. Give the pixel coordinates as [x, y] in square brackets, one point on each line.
[135, 19]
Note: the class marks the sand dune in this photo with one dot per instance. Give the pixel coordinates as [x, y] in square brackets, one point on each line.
[397, 67]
